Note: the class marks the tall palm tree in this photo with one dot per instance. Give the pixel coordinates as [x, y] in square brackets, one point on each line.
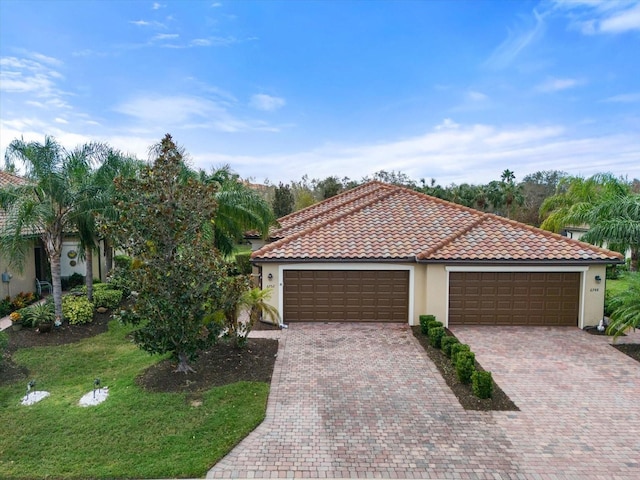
[97, 190]
[575, 194]
[46, 205]
[615, 221]
[240, 209]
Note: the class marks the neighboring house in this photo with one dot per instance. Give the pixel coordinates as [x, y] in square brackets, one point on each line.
[385, 253]
[577, 232]
[36, 264]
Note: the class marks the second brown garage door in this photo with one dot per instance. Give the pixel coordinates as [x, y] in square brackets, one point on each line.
[346, 295]
[514, 298]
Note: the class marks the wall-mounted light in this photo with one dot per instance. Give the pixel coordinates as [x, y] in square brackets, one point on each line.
[270, 276]
[598, 278]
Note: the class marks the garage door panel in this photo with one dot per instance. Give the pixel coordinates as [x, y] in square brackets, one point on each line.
[516, 298]
[346, 295]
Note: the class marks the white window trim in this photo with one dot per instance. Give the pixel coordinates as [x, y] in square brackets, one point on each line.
[346, 266]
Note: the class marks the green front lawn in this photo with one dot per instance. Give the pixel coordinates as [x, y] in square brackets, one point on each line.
[614, 287]
[133, 434]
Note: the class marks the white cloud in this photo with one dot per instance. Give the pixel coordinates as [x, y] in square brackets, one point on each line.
[601, 17]
[266, 103]
[157, 6]
[516, 42]
[477, 96]
[624, 98]
[622, 21]
[450, 153]
[558, 84]
[61, 120]
[165, 36]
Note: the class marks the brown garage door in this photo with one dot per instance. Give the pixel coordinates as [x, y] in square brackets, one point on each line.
[346, 295]
[514, 298]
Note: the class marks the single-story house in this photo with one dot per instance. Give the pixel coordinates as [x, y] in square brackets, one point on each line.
[578, 232]
[385, 253]
[36, 264]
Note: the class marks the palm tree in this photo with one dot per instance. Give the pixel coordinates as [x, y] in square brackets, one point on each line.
[46, 205]
[625, 308]
[577, 193]
[240, 209]
[615, 221]
[97, 189]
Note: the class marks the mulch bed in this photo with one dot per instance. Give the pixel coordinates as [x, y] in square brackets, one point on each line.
[499, 400]
[630, 349]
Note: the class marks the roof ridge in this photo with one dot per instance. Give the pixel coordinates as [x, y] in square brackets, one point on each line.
[289, 238]
[339, 205]
[453, 236]
[554, 235]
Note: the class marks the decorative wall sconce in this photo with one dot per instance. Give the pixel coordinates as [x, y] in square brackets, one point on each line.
[598, 278]
[270, 276]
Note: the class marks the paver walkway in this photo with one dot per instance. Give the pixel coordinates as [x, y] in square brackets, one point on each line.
[364, 401]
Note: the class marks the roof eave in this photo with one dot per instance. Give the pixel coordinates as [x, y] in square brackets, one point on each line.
[569, 261]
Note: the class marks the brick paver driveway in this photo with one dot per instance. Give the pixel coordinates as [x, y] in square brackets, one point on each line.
[364, 401]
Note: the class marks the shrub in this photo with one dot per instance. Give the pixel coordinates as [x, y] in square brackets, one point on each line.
[21, 300]
[243, 263]
[433, 324]
[446, 343]
[73, 281]
[435, 336]
[482, 384]
[104, 297]
[456, 348]
[122, 261]
[465, 366]
[5, 307]
[77, 310]
[424, 323]
[37, 314]
[4, 342]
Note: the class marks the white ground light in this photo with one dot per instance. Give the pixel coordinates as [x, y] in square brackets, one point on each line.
[34, 397]
[94, 397]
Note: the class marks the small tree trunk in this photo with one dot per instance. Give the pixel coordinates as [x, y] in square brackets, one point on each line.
[635, 253]
[56, 283]
[108, 253]
[89, 273]
[183, 364]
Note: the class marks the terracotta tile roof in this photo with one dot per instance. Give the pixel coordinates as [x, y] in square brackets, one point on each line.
[8, 180]
[377, 221]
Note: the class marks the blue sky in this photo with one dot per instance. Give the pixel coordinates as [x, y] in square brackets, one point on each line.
[452, 90]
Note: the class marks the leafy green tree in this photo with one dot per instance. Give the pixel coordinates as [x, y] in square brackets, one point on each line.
[166, 224]
[45, 206]
[536, 187]
[625, 308]
[283, 202]
[329, 187]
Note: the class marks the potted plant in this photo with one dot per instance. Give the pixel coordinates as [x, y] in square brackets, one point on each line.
[16, 320]
[41, 316]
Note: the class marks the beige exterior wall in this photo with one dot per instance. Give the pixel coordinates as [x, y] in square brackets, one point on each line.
[20, 281]
[429, 286]
[593, 293]
[437, 292]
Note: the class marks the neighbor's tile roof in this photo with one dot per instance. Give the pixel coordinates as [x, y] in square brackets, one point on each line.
[384, 222]
[8, 180]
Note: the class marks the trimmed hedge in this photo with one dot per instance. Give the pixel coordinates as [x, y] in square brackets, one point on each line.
[465, 366]
[435, 336]
[243, 263]
[107, 298]
[482, 384]
[446, 343]
[457, 348]
[424, 323]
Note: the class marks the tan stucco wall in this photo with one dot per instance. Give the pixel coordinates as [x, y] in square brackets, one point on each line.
[430, 289]
[593, 295]
[436, 292]
[20, 281]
